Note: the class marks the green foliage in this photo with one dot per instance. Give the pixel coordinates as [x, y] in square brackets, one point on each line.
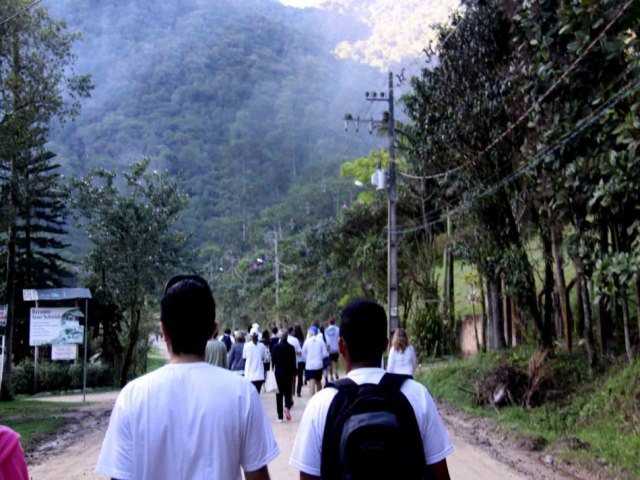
[135, 243]
[430, 334]
[601, 412]
[37, 85]
[60, 376]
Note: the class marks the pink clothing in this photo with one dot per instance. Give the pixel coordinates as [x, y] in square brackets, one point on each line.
[13, 466]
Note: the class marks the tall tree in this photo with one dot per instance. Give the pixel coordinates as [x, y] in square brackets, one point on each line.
[135, 243]
[37, 84]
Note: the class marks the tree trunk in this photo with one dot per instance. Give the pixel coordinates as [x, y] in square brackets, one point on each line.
[484, 315]
[620, 245]
[604, 314]
[638, 303]
[508, 319]
[558, 261]
[131, 346]
[547, 318]
[588, 325]
[580, 309]
[496, 322]
[6, 390]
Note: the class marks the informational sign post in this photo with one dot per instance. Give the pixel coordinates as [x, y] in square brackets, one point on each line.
[64, 352]
[59, 327]
[55, 326]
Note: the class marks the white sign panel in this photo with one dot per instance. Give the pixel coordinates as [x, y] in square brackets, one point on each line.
[64, 352]
[3, 315]
[55, 326]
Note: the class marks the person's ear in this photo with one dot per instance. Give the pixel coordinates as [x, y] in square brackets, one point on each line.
[166, 337]
[214, 329]
[342, 346]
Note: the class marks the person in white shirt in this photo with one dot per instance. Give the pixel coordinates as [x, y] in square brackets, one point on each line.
[402, 356]
[363, 339]
[332, 333]
[314, 350]
[255, 355]
[187, 419]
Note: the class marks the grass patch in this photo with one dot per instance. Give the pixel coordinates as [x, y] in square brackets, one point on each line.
[155, 359]
[601, 414]
[32, 419]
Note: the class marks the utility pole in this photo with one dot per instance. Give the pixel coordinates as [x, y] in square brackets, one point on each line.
[392, 238]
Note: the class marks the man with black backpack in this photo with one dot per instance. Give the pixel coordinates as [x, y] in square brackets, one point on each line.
[370, 425]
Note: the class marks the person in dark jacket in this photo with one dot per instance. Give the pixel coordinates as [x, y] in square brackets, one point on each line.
[235, 360]
[226, 339]
[284, 361]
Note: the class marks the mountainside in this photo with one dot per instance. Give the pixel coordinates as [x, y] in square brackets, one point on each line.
[242, 99]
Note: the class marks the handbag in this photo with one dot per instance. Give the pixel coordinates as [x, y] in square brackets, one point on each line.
[270, 384]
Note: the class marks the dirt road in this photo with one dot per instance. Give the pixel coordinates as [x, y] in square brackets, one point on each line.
[73, 455]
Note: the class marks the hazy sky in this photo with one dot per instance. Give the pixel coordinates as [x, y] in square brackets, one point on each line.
[400, 29]
[301, 3]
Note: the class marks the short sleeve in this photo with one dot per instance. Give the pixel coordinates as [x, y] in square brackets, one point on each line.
[306, 455]
[437, 445]
[259, 445]
[116, 455]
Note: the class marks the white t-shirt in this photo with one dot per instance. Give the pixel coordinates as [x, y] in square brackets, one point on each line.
[404, 363]
[314, 350]
[332, 333]
[187, 420]
[255, 356]
[296, 345]
[307, 449]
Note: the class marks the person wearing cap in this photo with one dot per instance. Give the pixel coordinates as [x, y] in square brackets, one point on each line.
[331, 333]
[255, 355]
[314, 350]
[285, 365]
[187, 419]
[12, 462]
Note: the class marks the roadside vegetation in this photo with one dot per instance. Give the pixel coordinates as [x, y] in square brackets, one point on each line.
[35, 420]
[592, 420]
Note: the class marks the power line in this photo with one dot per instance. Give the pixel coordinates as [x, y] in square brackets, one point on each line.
[536, 103]
[19, 12]
[585, 123]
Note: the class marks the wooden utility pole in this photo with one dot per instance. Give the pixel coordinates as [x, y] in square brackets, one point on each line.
[392, 237]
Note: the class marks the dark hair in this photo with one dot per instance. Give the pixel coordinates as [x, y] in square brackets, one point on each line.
[188, 313]
[297, 332]
[227, 331]
[274, 330]
[363, 326]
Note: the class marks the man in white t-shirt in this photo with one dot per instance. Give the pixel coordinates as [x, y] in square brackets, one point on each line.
[188, 419]
[255, 354]
[332, 333]
[362, 341]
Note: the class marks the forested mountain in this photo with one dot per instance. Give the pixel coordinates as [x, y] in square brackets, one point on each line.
[241, 99]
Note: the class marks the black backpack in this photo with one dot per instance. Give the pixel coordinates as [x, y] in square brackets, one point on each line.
[372, 433]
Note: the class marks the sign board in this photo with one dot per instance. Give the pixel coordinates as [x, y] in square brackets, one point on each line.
[55, 326]
[3, 315]
[53, 294]
[64, 352]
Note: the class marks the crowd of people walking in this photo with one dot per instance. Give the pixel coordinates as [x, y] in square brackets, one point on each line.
[178, 411]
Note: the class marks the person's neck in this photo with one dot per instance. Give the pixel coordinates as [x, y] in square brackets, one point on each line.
[354, 366]
[186, 358]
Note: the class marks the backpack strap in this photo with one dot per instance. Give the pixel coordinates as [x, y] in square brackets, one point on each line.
[341, 384]
[393, 381]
